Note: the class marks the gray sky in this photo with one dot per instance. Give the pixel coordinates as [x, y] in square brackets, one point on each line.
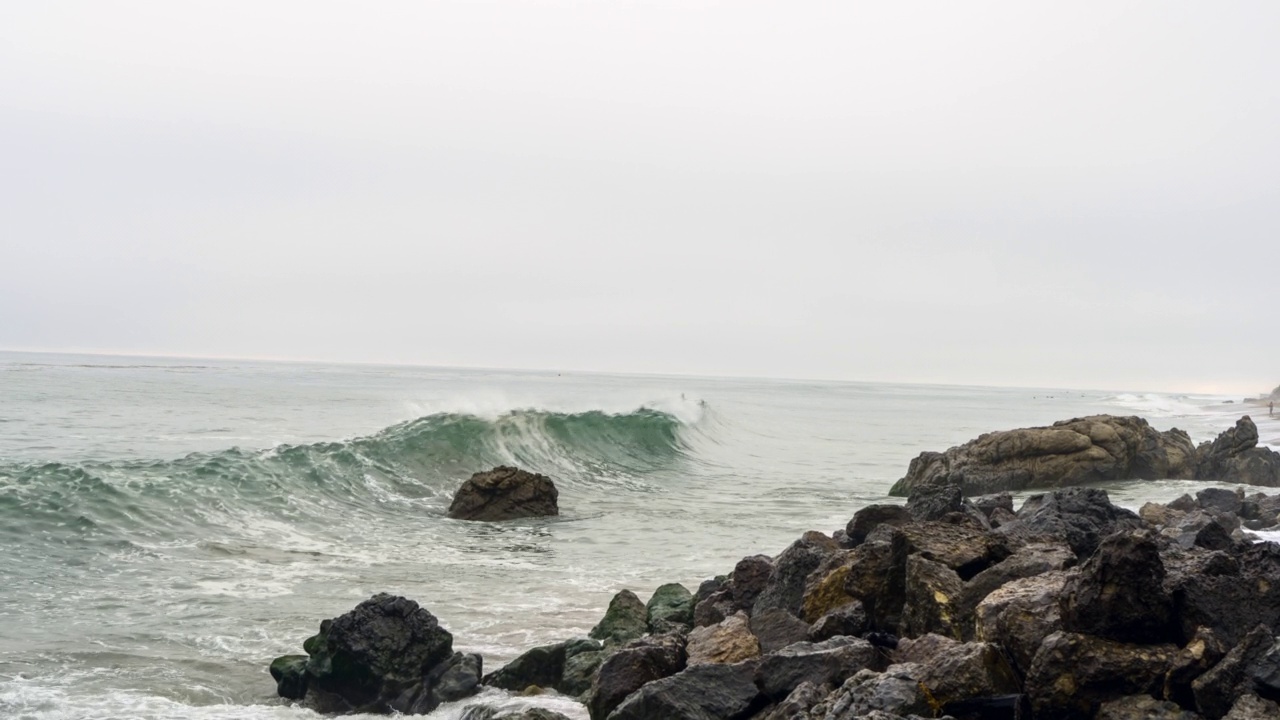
[1079, 194]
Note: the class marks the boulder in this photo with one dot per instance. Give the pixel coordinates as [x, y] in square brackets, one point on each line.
[1221, 499]
[785, 586]
[1080, 517]
[455, 679]
[896, 691]
[930, 599]
[579, 672]
[877, 577]
[1080, 451]
[797, 705]
[670, 609]
[1143, 707]
[989, 504]
[1228, 592]
[505, 493]
[1021, 614]
[1073, 674]
[290, 674]
[777, 628]
[824, 588]
[963, 671]
[1202, 652]
[1119, 592]
[484, 712]
[1030, 560]
[1252, 707]
[635, 665]
[825, 663]
[935, 502]
[967, 550]
[1216, 691]
[543, 666]
[729, 642]
[748, 580]
[702, 692]
[626, 619]
[848, 619]
[383, 655]
[871, 517]
[1235, 457]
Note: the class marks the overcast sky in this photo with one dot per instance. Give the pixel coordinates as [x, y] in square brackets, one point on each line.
[1081, 194]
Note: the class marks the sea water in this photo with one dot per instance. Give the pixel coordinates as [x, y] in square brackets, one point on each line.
[168, 526]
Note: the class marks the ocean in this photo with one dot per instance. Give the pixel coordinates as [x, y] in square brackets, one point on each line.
[169, 526]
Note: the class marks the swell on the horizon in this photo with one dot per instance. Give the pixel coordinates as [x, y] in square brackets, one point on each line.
[416, 464]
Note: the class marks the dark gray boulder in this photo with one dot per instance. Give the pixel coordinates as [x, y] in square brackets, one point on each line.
[290, 674]
[631, 668]
[543, 666]
[701, 692]
[1216, 691]
[848, 619]
[871, 517]
[784, 588]
[1119, 592]
[1235, 457]
[748, 579]
[825, 663]
[1230, 592]
[505, 493]
[777, 628]
[1081, 517]
[1073, 674]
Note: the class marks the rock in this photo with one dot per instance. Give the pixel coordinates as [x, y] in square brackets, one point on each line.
[988, 504]
[670, 609]
[702, 692]
[1160, 515]
[1220, 499]
[777, 628]
[1119, 593]
[1252, 707]
[877, 577]
[1079, 516]
[455, 679]
[1235, 457]
[714, 609]
[749, 578]
[1029, 561]
[1202, 652]
[1230, 593]
[629, 669]
[1143, 707]
[871, 517]
[1073, 674]
[895, 691]
[848, 619]
[1216, 691]
[729, 642]
[505, 493]
[579, 671]
[785, 587]
[1072, 452]
[376, 656]
[1184, 503]
[931, 592]
[1213, 537]
[797, 705]
[481, 712]
[965, 549]
[1021, 614]
[543, 666]
[823, 663]
[1264, 672]
[958, 672]
[931, 502]
[824, 588]
[626, 619]
[290, 674]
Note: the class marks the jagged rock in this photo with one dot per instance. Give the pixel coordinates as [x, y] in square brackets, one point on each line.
[1021, 614]
[1202, 652]
[702, 692]
[290, 674]
[579, 671]
[785, 587]
[1235, 457]
[729, 642]
[1073, 674]
[380, 656]
[934, 502]
[543, 666]
[797, 705]
[1217, 690]
[848, 619]
[877, 577]
[1081, 517]
[629, 669]
[961, 671]
[931, 592]
[776, 629]
[748, 580]
[965, 549]
[871, 517]
[1230, 593]
[988, 504]
[824, 588]
[1221, 499]
[823, 663]
[1119, 593]
[1252, 707]
[670, 609]
[1213, 537]
[1143, 707]
[455, 679]
[1264, 672]
[505, 493]
[1072, 452]
[626, 619]
[895, 691]
[714, 609]
[1184, 503]
[1029, 561]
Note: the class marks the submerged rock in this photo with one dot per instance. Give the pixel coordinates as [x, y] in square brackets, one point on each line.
[505, 493]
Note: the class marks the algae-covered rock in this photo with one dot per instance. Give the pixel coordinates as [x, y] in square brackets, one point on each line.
[626, 619]
[670, 609]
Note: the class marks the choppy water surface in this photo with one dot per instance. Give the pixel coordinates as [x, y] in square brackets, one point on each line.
[169, 526]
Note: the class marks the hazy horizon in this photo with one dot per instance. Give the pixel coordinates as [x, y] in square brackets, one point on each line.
[994, 194]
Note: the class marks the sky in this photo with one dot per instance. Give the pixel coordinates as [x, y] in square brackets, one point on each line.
[1079, 194]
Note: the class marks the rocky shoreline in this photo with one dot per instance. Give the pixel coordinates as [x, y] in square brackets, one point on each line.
[952, 605]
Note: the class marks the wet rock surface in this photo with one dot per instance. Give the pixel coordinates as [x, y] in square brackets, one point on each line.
[505, 493]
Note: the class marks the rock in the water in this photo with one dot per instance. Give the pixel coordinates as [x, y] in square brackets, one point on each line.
[823, 663]
[1235, 457]
[626, 619]
[1073, 674]
[290, 674]
[702, 692]
[1072, 452]
[631, 668]
[505, 493]
[670, 609]
[1119, 593]
[543, 666]
[1143, 707]
[481, 712]
[748, 580]
[383, 655]
[729, 642]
